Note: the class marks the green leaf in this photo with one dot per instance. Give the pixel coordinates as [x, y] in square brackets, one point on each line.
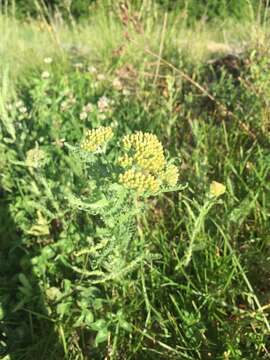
[89, 318]
[102, 336]
[25, 282]
[99, 325]
[125, 325]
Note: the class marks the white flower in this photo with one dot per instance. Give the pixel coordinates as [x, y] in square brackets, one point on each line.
[45, 75]
[19, 104]
[88, 108]
[48, 60]
[101, 77]
[92, 70]
[117, 84]
[103, 103]
[78, 65]
[83, 115]
[22, 109]
[126, 92]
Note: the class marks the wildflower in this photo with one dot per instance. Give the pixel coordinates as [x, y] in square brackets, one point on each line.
[83, 115]
[22, 109]
[97, 138]
[138, 181]
[9, 107]
[48, 60]
[88, 108]
[117, 84]
[147, 151]
[101, 117]
[170, 175]
[19, 104]
[217, 189]
[45, 75]
[103, 103]
[101, 77]
[35, 158]
[126, 92]
[78, 65]
[64, 105]
[92, 70]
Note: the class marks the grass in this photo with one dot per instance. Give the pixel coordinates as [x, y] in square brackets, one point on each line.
[200, 289]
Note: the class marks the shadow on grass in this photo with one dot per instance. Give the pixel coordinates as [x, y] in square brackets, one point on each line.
[26, 332]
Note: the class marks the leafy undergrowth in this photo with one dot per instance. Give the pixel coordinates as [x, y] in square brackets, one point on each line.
[189, 278]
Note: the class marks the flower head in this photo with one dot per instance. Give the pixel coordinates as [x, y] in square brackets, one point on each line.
[97, 138]
[35, 158]
[45, 75]
[139, 181]
[48, 60]
[146, 151]
[103, 103]
[217, 189]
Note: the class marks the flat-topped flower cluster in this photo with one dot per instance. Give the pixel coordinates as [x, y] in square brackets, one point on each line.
[96, 139]
[145, 168]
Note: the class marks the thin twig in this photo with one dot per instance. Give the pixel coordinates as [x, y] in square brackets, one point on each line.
[161, 46]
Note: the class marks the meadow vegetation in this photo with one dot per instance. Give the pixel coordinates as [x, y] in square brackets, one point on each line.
[134, 185]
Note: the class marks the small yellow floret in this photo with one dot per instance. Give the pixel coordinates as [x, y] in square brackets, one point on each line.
[95, 139]
[125, 161]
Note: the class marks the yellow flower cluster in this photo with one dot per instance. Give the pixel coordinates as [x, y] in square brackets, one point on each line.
[139, 181]
[144, 161]
[170, 175]
[95, 139]
[147, 151]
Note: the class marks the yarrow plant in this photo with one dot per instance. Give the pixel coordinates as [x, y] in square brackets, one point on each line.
[120, 175]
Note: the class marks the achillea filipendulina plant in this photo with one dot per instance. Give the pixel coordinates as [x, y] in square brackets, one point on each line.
[119, 182]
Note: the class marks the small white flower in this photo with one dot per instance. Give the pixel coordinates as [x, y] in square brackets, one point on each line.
[83, 115]
[101, 77]
[48, 60]
[78, 65]
[126, 92]
[117, 84]
[92, 70]
[22, 109]
[103, 103]
[45, 75]
[88, 108]
[64, 105]
[102, 116]
[19, 104]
